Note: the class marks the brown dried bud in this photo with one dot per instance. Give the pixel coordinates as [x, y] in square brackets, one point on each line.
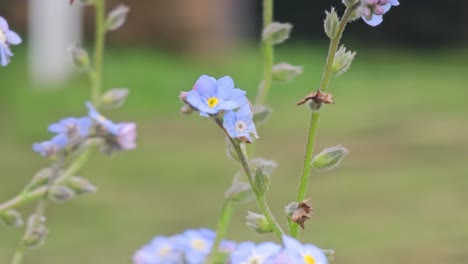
[300, 212]
[318, 97]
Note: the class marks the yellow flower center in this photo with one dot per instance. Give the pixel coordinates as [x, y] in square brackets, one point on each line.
[212, 102]
[2, 37]
[309, 259]
[198, 244]
[164, 250]
[101, 119]
[255, 259]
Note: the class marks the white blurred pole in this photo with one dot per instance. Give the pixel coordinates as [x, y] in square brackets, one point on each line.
[54, 26]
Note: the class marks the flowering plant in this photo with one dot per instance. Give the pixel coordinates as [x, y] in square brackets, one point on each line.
[76, 138]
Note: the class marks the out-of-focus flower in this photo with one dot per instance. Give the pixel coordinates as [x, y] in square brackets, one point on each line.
[295, 252]
[102, 120]
[240, 124]
[249, 253]
[196, 244]
[72, 126]
[372, 11]
[161, 250]
[7, 38]
[51, 147]
[209, 96]
[126, 135]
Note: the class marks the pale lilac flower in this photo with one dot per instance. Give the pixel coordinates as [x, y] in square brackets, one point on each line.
[210, 96]
[72, 126]
[101, 120]
[196, 244]
[249, 253]
[240, 124]
[51, 147]
[372, 11]
[295, 252]
[161, 250]
[7, 38]
[126, 135]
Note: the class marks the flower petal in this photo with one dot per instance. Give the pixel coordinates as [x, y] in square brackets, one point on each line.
[205, 86]
[13, 38]
[376, 20]
[3, 24]
[225, 86]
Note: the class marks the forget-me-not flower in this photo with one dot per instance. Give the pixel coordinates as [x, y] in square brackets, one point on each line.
[107, 124]
[196, 244]
[126, 135]
[372, 11]
[240, 124]
[249, 253]
[51, 147]
[72, 126]
[210, 96]
[295, 252]
[7, 38]
[161, 250]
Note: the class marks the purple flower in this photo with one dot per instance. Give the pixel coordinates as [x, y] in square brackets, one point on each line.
[240, 124]
[101, 120]
[126, 135]
[51, 147]
[210, 96]
[72, 126]
[248, 252]
[295, 252]
[161, 250]
[7, 38]
[372, 11]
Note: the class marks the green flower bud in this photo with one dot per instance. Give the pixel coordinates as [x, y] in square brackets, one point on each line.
[268, 166]
[114, 98]
[284, 72]
[331, 23]
[80, 57]
[343, 60]
[261, 114]
[261, 180]
[11, 218]
[36, 232]
[258, 223]
[276, 33]
[81, 185]
[60, 193]
[329, 157]
[117, 17]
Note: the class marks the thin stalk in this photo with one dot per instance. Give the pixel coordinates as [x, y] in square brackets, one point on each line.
[96, 85]
[267, 54]
[223, 224]
[315, 116]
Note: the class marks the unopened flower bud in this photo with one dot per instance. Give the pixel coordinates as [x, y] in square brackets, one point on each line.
[331, 23]
[239, 192]
[330, 253]
[258, 223]
[329, 157]
[61, 193]
[36, 232]
[117, 17]
[261, 114]
[285, 72]
[276, 33]
[268, 166]
[261, 180]
[343, 60]
[11, 218]
[80, 57]
[81, 185]
[114, 98]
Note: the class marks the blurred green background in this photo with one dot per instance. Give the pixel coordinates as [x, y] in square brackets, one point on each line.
[400, 196]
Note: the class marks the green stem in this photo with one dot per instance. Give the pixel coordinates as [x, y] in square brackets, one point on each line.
[223, 224]
[19, 255]
[315, 116]
[268, 55]
[96, 85]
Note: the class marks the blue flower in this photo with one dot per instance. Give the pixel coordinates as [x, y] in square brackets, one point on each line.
[7, 38]
[161, 250]
[102, 120]
[372, 11]
[249, 253]
[196, 244]
[210, 96]
[51, 147]
[240, 124]
[72, 126]
[295, 252]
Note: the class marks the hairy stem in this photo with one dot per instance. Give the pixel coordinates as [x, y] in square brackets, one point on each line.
[268, 55]
[223, 224]
[315, 116]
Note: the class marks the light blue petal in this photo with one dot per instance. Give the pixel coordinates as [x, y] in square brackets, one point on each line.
[195, 100]
[229, 123]
[317, 253]
[268, 249]
[225, 87]
[387, 7]
[205, 86]
[376, 20]
[291, 243]
[61, 140]
[394, 2]
[3, 56]
[3, 24]
[245, 113]
[13, 38]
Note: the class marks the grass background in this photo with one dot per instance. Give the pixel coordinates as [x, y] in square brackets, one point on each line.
[400, 196]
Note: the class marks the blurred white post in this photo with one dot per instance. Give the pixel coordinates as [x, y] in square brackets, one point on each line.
[54, 26]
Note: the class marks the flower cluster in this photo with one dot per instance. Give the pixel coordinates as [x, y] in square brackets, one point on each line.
[73, 131]
[193, 247]
[213, 97]
[372, 11]
[7, 38]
